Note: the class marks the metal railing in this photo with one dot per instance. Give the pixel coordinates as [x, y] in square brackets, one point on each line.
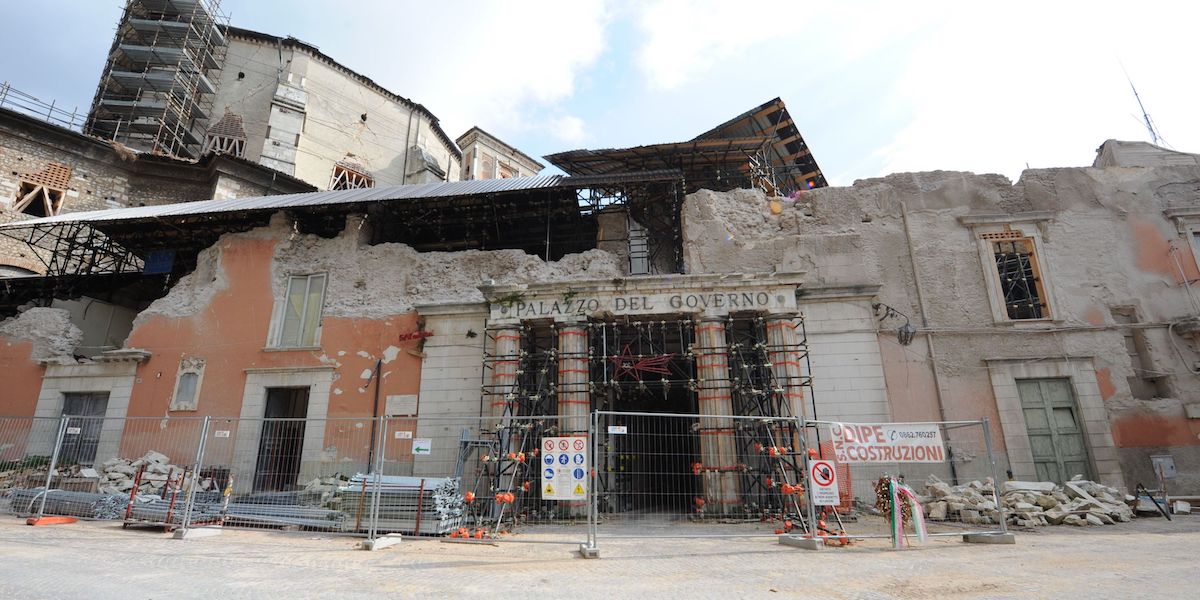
[18, 101]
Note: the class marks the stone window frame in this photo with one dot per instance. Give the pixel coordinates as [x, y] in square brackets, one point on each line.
[278, 316]
[1093, 416]
[116, 378]
[1187, 223]
[1029, 226]
[318, 380]
[192, 365]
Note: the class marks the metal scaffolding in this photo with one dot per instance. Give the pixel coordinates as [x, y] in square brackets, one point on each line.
[652, 365]
[156, 91]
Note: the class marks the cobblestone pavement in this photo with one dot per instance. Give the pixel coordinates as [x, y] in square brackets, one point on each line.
[1148, 558]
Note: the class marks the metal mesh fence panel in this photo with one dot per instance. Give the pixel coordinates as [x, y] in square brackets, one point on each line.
[673, 475]
[481, 478]
[130, 469]
[284, 473]
[26, 447]
[901, 481]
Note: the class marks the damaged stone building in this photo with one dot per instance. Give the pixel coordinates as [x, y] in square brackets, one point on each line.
[1059, 306]
[718, 275]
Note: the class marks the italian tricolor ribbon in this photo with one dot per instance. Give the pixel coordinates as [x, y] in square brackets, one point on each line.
[899, 492]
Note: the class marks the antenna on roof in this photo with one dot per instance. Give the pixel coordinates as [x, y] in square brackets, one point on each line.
[1145, 116]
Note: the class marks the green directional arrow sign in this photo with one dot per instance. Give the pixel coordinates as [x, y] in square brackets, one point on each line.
[422, 447]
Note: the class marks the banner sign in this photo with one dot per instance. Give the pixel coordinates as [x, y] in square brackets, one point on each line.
[887, 443]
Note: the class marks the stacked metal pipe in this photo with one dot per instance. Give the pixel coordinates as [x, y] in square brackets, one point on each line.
[89, 505]
[413, 505]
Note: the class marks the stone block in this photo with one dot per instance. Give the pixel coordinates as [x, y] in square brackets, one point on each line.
[938, 511]
[1033, 486]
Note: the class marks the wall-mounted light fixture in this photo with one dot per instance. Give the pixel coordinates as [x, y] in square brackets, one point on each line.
[904, 333]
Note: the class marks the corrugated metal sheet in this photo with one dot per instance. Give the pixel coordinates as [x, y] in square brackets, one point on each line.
[272, 203]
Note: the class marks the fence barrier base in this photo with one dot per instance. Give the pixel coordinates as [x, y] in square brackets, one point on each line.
[805, 543]
[989, 538]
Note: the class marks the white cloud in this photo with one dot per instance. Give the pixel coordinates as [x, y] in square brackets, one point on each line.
[993, 91]
[686, 40]
[567, 128]
[493, 64]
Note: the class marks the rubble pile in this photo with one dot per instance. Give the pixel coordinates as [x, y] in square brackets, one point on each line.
[1028, 503]
[118, 474]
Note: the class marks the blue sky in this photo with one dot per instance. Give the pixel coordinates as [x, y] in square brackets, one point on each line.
[875, 87]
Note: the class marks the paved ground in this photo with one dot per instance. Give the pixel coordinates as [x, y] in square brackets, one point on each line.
[1146, 559]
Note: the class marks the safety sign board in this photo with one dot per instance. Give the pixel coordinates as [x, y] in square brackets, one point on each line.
[618, 429]
[404, 435]
[887, 443]
[565, 461]
[74, 430]
[422, 447]
[221, 433]
[824, 483]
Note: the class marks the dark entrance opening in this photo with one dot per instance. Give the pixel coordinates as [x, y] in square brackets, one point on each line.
[282, 440]
[86, 410]
[647, 369]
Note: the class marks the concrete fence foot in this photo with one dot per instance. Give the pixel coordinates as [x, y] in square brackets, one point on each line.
[197, 533]
[382, 542]
[797, 541]
[587, 551]
[990, 538]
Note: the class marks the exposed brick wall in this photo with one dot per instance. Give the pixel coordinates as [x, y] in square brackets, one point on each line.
[104, 177]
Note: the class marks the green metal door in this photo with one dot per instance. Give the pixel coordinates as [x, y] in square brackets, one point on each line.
[1055, 435]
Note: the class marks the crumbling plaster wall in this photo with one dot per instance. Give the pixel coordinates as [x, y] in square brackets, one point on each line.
[27, 340]
[222, 311]
[1106, 243]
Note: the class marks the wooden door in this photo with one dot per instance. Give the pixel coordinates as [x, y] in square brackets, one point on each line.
[1055, 434]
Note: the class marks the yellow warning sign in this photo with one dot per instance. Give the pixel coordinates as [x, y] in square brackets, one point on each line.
[578, 489]
[549, 489]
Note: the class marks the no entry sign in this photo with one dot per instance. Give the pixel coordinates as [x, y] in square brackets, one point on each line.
[824, 483]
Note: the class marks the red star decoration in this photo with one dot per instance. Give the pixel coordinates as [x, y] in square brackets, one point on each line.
[626, 363]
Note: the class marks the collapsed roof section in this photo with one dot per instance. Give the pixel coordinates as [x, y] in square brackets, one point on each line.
[759, 148]
[134, 249]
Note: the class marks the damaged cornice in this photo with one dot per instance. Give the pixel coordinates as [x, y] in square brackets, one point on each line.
[974, 220]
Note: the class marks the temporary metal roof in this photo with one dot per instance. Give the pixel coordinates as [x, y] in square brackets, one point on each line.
[549, 216]
[291, 201]
[718, 158]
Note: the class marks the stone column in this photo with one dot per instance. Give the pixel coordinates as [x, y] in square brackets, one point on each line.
[784, 352]
[574, 397]
[718, 449]
[503, 400]
[507, 356]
